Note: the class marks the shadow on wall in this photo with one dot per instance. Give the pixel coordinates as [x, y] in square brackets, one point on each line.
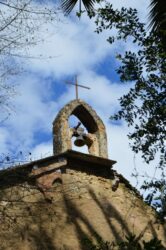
[92, 233]
[40, 225]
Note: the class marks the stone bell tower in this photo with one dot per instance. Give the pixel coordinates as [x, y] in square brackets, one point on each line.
[95, 139]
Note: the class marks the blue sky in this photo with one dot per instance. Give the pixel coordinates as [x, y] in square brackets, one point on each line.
[74, 48]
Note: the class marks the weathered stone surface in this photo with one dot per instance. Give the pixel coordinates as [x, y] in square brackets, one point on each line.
[83, 206]
[45, 176]
[62, 134]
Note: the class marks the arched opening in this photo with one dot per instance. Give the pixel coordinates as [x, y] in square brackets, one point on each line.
[73, 122]
[86, 118]
[57, 182]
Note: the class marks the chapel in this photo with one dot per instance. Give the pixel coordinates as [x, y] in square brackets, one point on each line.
[72, 199]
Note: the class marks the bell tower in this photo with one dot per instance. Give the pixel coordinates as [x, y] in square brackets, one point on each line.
[95, 138]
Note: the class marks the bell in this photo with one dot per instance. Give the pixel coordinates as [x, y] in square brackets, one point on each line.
[79, 142]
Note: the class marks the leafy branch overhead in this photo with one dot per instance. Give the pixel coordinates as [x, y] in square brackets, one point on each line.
[144, 107]
[157, 13]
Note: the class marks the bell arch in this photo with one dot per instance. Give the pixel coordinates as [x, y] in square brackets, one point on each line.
[62, 133]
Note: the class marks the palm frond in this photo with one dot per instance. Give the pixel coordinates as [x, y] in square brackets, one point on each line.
[157, 15]
[88, 4]
[68, 5]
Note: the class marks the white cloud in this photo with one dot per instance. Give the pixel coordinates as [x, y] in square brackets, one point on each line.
[4, 137]
[75, 48]
[42, 150]
[141, 6]
[34, 112]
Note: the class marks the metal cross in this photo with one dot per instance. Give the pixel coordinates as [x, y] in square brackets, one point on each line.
[77, 85]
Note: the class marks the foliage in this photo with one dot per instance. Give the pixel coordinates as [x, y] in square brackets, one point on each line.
[156, 195]
[130, 243]
[158, 15]
[144, 106]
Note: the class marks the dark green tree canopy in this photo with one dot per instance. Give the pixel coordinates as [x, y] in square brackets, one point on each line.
[144, 107]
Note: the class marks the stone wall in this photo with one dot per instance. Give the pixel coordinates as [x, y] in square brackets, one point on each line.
[82, 206]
